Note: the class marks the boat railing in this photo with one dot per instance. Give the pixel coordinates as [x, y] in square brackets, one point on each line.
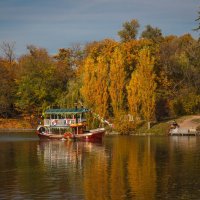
[60, 122]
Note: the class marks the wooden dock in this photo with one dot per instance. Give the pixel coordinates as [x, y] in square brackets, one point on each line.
[184, 132]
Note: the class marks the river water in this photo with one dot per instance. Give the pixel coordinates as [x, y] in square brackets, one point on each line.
[121, 167]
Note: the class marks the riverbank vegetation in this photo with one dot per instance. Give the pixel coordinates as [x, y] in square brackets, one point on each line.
[18, 123]
[141, 78]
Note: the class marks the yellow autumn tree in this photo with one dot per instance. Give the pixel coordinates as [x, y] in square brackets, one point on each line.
[101, 94]
[95, 76]
[134, 98]
[142, 87]
[88, 81]
[147, 84]
[95, 85]
[117, 81]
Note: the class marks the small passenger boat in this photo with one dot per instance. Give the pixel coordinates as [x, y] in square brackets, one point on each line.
[68, 124]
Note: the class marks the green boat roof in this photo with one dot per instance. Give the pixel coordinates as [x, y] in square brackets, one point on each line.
[66, 111]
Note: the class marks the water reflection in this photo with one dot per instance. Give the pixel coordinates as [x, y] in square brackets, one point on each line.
[185, 143]
[71, 164]
[119, 168]
[65, 153]
[133, 169]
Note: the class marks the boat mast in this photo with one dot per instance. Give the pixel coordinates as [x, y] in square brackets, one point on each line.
[76, 117]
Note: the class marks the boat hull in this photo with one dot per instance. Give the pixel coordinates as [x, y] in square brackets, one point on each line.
[46, 136]
[90, 136]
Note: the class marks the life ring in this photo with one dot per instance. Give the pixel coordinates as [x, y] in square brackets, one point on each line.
[41, 129]
[54, 122]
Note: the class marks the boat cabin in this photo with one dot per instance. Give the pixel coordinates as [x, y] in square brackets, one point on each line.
[63, 118]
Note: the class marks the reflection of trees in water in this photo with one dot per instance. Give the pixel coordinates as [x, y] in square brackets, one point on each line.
[133, 172]
[184, 167]
[142, 171]
[127, 172]
[125, 167]
[95, 182]
[177, 167]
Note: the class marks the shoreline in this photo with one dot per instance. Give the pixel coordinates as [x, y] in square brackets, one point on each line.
[161, 128]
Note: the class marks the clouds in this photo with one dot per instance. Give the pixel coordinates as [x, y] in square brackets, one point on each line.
[56, 24]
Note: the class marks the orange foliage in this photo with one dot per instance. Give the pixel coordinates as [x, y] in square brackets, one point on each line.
[101, 87]
[147, 84]
[142, 87]
[87, 89]
[117, 81]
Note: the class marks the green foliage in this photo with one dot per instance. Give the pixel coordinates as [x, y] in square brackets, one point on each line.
[153, 34]
[6, 90]
[129, 31]
[176, 108]
[38, 87]
[186, 104]
[72, 95]
[156, 129]
[179, 63]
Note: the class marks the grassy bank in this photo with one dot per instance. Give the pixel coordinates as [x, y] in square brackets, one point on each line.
[160, 128]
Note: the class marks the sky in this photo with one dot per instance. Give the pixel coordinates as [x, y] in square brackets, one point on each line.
[54, 24]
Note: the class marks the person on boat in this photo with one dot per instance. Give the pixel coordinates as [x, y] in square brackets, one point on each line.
[39, 122]
[40, 119]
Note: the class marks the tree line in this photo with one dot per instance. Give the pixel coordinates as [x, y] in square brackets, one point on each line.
[148, 77]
